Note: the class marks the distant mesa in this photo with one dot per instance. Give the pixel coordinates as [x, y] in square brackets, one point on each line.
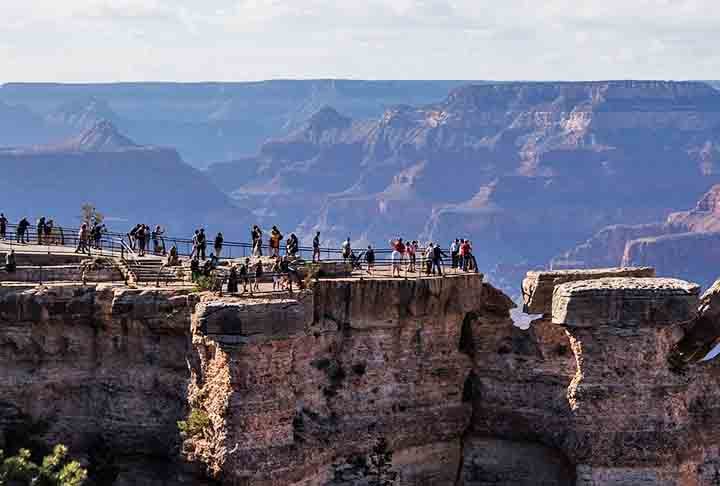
[82, 113]
[327, 118]
[101, 137]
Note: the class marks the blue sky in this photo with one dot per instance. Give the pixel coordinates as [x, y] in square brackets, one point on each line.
[236, 40]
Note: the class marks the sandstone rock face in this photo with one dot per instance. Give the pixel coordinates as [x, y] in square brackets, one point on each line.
[635, 421]
[624, 302]
[99, 368]
[538, 287]
[372, 359]
[298, 390]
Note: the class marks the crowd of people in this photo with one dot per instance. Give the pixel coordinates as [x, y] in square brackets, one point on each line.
[405, 255]
[140, 236]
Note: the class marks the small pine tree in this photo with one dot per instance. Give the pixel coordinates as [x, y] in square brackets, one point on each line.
[90, 215]
[380, 472]
[56, 469]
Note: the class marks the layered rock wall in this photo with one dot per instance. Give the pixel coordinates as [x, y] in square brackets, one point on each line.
[100, 368]
[298, 390]
[357, 361]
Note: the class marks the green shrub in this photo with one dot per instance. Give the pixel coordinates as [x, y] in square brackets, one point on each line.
[205, 283]
[56, 469]
[196, 422]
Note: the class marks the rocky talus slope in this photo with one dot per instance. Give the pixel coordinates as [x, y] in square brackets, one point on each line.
[604, 389]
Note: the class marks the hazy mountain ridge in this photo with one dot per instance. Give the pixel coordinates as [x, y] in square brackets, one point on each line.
[205, 122]
[127, 182]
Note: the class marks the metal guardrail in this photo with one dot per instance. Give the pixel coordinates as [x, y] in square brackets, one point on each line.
[110, 241]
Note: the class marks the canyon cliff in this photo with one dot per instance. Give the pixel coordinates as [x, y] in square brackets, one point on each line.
[504, 163]
[603, 389]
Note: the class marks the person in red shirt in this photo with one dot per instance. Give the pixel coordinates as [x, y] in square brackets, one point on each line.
[398, 256]
[412, 252]
[465, 250]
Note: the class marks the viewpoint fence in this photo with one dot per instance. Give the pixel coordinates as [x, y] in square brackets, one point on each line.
[113, 243]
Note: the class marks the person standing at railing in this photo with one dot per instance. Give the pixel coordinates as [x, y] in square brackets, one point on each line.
[256, 236]
[40, 227]
[22, 228]
[132, 236]
[398, 255]
[427, 261]
[195, 247]
[96, 234]
[202, 243]
[275, 239]
[158, 242]
[316, 248]
[49, 224]
[370, 259]
[83, 236]
[292, 246]
[470, 262]
[461, 254]
[3, 226]
[412, 249]
[454, 249]
[219, 244]
[346, 250]
[437, 260]
[141, 237]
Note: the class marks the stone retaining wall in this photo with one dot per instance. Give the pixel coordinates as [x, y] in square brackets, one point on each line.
[61, 273]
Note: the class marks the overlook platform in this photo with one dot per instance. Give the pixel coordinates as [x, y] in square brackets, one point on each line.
[61, 264]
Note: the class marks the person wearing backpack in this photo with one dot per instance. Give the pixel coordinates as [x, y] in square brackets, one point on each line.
[437, 259]
[202, 243]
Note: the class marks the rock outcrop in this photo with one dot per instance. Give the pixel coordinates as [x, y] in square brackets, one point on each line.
[538, 287]
[101, 369]
[300, 390]
[323, 382]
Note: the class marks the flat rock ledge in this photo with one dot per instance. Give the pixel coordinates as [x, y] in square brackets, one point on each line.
[625, 302]
[538, 287]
